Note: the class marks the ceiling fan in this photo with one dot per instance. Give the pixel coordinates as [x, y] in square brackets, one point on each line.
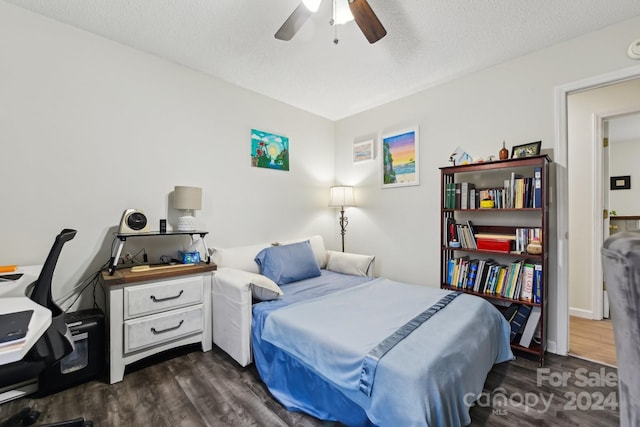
[362, 13]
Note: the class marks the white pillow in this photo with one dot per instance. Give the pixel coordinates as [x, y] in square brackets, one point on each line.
[263, 288]
[348, 263]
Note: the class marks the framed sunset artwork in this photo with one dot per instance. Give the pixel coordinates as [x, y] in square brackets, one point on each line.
[400, 158]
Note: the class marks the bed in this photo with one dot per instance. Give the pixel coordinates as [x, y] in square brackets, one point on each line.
[343, 345]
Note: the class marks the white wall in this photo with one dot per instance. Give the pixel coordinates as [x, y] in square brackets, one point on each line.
[512, 102]
[90, 127]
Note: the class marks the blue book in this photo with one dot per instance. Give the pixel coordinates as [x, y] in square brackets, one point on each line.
[537, 187]
[473, 273]
[519, 320]
[537, 284]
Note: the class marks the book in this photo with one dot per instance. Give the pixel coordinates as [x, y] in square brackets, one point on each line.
[510, 312]
[495, 236]
[512, 189]
[530, 327]
[527, 198]
[501, 279]
[507, 193]
[493, 280]
[519, 193]
[472, 237]
[481, 277]
[464, 270]
[519, 320]
[537, 187]
[456, 270]
[458, 195]
[537, 284]
[513, 279]
[527, 283]
[473, 272]
[518, 285]
[451, 196]
[489, 279]
[465, 194]
[451, 265]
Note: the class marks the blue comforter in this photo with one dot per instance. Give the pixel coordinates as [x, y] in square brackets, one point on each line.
[310, 346]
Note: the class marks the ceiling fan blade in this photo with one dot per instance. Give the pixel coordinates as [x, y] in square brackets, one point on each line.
[293, 23]
[367, 20]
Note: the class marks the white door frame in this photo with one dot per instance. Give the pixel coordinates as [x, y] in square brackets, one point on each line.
[561, 346]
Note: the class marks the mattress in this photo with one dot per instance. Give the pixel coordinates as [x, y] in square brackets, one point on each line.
[311, 354]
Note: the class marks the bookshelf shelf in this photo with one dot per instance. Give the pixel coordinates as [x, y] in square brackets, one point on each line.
[500, 253]
[490, 296]
[519, 191]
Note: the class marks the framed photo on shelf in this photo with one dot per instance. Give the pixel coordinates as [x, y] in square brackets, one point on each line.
[526, 150]
[363, 151]
[399, 159]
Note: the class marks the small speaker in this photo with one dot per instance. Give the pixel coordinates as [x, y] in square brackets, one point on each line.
[134, 221]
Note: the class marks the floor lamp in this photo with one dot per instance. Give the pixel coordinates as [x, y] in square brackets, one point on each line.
[341, 197]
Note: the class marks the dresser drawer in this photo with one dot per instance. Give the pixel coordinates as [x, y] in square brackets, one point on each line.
[158, 328]
[157, 297]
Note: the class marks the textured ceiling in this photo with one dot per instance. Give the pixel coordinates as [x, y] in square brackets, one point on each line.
[428, 41]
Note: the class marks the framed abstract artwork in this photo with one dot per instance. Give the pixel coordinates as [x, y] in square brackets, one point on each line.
[363, 151]
[399, 159]
[269, 150]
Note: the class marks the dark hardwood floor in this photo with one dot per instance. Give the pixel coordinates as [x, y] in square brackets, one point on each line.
[191, 388]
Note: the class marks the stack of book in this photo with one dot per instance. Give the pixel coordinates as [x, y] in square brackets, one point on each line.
[524, 321]
[519, 280]
[516, 192]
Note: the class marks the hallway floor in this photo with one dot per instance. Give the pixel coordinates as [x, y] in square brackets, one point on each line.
[592, 340]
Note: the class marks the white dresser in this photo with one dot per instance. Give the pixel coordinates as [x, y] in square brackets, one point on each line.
[156, 310]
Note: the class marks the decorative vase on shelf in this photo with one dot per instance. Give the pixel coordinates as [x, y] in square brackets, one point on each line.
[504, 153]
[534, 247]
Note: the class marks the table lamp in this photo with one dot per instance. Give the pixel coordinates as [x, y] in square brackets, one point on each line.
[341, 197]
[188, 199]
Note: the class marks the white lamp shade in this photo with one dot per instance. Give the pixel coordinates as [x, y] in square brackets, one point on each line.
[188, 198]
[342, 195]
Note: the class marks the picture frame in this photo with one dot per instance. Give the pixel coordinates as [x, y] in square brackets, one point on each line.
[620, 182]
[363, 151]
[269, 150]
[400, 158]
[526, 150]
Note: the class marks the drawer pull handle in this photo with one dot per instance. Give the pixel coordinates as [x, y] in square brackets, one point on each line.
[156, 332]
[154, 299]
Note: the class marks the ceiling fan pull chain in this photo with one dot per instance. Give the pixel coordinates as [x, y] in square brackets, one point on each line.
[333, 23]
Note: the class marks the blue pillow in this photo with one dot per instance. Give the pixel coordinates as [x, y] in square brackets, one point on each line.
[288, 263]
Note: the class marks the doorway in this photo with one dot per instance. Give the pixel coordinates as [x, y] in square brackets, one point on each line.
[589, 115]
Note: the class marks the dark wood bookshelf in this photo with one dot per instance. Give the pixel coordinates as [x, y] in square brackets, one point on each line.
[499, 221]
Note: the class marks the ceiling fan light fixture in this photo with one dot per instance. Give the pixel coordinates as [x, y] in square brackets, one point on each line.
[312, 5]
[342, 12]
